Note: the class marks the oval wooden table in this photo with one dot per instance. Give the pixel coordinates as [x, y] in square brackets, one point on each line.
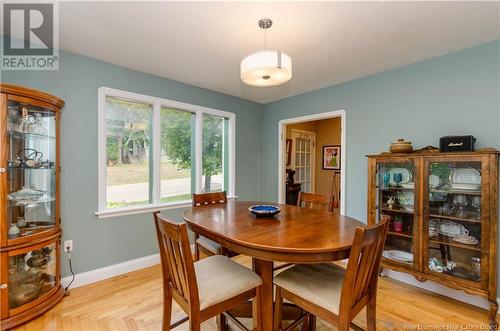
[296, 235]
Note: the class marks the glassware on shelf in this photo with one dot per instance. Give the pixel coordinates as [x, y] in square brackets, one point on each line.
[476, 268]
[31, 275]
[460, 200]
[398, 178]
[398, 224]
[476, 203]
[26, 195]
[14, 231]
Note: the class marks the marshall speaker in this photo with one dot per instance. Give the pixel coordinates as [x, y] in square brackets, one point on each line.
[457, 144]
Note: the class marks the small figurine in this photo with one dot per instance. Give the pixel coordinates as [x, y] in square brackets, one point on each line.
[390, 202]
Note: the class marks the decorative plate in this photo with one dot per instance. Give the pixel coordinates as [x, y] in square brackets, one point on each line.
[465, 239]
[434, 181]
[401, 256]
[460, 186]
[403, 171]
[465, 176]
[264, 210]
[452, 229]
[406, 200]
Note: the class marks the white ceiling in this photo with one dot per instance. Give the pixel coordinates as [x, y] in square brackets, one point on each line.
[202, 43]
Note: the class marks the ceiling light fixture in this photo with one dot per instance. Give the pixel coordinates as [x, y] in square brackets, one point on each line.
[266, 67]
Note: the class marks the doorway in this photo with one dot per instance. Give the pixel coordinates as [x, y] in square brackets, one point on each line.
[312, 151]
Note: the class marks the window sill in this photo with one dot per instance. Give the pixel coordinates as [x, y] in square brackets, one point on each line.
[108, 213]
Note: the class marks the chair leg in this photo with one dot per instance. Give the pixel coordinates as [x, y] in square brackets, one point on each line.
[194, 326]
[278, 310]
[222, 322]
[167, 309]
[196, 248]
[312, 322]
[371, 318]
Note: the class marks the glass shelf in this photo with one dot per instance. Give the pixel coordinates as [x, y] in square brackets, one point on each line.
[13, 204]
[30, 169]
[455, 191]
[28, 136]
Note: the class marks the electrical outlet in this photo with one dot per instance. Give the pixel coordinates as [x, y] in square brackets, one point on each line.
[68, 245]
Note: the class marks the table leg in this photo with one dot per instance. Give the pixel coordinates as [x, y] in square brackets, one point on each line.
[265, 297]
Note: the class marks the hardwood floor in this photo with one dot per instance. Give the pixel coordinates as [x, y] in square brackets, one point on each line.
[133, 302]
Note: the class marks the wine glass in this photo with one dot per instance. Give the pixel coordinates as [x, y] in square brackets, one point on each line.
[460, 201]
[476, 203]
[397, 177]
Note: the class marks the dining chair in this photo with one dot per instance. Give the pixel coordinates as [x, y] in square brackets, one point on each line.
[315, 201]
[203, 289]
[311, 201]
[203, 244]
[331, 292]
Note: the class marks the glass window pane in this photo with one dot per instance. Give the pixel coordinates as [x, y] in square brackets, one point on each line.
[212, 153]
[177, 157]
[128, 168]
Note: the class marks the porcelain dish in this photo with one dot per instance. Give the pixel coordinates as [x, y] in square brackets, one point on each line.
[406, 199]
[469, 176]
[401, 256]
[264, 210]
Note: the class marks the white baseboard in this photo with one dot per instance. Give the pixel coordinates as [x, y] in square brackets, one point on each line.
[438, 288]
[96, 275]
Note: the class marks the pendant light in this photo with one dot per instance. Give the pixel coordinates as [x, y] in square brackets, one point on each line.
[266, 67]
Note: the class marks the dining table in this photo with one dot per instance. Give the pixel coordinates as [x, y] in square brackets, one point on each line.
[295, 235]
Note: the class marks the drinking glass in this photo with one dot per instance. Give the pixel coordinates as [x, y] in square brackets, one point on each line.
[460, 201]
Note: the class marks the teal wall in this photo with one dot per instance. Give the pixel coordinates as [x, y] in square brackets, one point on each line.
[452, 94]
[449, 95]
[99, 243]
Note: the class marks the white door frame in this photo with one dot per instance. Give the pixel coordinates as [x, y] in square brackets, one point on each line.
[281, 149]
[312, 161]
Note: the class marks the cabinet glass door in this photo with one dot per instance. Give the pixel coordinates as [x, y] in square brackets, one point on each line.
[31, 173]
[454, 219]
[31, 275]
[395, 196]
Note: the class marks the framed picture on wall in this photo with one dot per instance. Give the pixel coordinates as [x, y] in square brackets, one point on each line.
[331, 157]
[288, 152]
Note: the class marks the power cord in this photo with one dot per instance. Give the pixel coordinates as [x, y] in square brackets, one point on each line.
[66, 293]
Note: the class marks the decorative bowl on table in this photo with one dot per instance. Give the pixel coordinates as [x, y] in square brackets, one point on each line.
[264, 210]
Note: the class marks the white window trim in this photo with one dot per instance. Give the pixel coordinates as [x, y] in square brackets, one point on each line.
[158, 103]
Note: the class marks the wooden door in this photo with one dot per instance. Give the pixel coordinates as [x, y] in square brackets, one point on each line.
[456, 227]
[303, 159]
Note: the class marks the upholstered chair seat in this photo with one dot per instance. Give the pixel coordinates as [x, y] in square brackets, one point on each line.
[320, 284]
[210, 245]
[220, 278]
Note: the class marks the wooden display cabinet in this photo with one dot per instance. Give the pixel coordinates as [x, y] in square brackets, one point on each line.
[30, 271]
[442, 209]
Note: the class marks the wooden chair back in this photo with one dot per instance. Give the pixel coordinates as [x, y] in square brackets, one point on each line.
[315, 201]
[177, 262]
[200, 199]
[360, 282]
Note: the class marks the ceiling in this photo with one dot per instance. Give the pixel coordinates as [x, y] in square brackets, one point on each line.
[202, 43]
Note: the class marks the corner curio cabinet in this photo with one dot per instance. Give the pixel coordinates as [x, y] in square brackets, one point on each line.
[442, 213]
[29, 197]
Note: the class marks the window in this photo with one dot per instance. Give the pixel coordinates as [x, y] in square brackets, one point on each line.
[154, 153]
